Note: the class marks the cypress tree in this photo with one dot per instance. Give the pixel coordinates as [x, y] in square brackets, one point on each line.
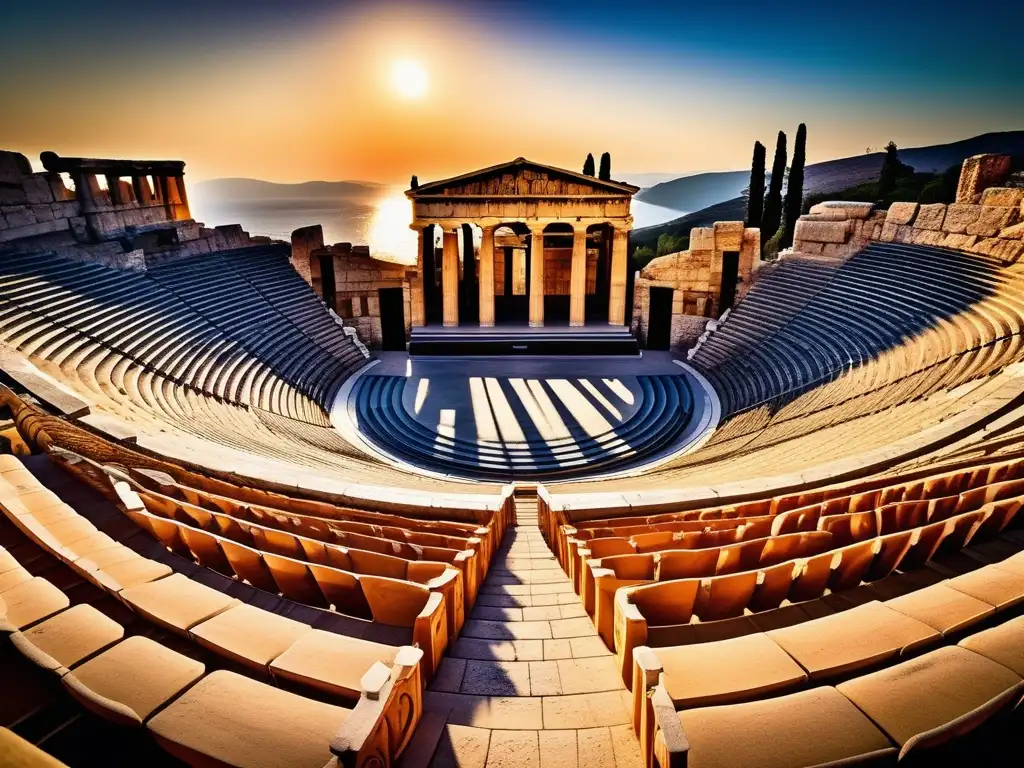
[755, 196]
[891, 168]
[588, 166]
[795, 190]
[605, 174]
[414, 183]
[772, 216]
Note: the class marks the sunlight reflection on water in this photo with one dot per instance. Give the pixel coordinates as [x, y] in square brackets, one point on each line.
[382, 223]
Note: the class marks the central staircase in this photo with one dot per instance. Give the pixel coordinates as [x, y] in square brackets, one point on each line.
[528, 682]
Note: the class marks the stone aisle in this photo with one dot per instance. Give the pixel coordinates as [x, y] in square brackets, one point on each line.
[528, 683]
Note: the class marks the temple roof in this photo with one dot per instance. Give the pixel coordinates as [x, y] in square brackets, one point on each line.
[457, 185]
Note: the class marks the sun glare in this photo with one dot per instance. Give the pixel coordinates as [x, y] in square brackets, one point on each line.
[409, 79]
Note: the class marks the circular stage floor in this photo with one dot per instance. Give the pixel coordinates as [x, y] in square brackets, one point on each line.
[515, 418]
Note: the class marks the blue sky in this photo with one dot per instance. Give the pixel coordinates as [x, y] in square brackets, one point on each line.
[696, 82]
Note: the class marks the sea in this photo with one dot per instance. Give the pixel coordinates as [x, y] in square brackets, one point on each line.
[381, 223]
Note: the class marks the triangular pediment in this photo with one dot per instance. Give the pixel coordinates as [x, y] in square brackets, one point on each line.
[522, 177]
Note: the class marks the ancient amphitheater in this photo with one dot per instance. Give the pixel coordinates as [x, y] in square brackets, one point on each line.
[286, 504]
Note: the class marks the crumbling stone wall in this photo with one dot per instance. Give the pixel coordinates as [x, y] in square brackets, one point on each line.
[358, 278]
[989, 220]
[34, 204]
[695, 278]
[130, 225]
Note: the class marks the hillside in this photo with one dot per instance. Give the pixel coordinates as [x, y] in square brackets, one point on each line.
[691, 193]
[238, 189]
[821, 178]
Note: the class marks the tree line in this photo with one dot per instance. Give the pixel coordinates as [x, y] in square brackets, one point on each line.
[767, 209]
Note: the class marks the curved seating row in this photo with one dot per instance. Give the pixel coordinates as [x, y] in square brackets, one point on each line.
[356, 582]
[656, 609]
[786, 512]
[216, 718]
[877, 719]
[665, 409]
[935, 304]
[214, 323]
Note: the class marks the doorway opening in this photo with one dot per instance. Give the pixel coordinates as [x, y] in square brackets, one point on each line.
[730, 275]
[659, 319]
[327, 287]
[392, 319]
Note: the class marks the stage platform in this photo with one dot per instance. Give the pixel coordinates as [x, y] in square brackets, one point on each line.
[522, 340]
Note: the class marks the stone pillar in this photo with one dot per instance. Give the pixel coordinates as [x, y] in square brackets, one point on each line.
[578, 278]
[450, 278]
[617, 290]
[537, 277]
[305, 240]
[418, 307]
[487, 278]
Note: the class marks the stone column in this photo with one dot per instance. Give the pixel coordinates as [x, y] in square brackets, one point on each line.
[617, 289]
[537, 276]
[450, 278]
[487, 278]
[418, 308]
[578, 277]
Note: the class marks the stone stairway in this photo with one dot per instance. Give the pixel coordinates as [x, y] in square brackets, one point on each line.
[528, 683]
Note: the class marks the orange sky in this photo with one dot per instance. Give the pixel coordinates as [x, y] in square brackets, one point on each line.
[316, 102]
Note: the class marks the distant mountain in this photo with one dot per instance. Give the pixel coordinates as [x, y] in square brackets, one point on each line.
[821, 178]
[691, 193]
[646, 179]
[237, 189]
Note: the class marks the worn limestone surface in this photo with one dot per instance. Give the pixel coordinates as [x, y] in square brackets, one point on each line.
[528, 683]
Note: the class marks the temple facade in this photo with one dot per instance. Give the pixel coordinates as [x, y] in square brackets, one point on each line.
[553, 248]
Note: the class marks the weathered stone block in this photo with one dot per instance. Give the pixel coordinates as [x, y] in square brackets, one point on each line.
[889, 233]
[728, 235]
[960, 241]
[928, 237]
[930, 216]
[980, 172]
[64, 209]
[991, 219]
[1016, 232]
[996, 248]
[702, 239]
[32, 230]
[37, 190]
[959, 216]
[12, 195]
[42, 212]
[840, 210]
[19, 216]
[1005, 197]
[901, 213]
[821, 231]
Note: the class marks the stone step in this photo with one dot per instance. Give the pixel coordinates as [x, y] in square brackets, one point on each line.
[530, 713]
[553, 677]
[468, 747]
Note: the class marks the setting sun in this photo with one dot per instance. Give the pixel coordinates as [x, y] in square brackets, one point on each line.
[409, 79]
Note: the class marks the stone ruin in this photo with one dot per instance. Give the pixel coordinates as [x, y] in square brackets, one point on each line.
[352, 292]
[138, 217]
[695, 278]
[987, 218]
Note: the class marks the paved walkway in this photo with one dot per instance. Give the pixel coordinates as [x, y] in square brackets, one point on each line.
[528, 683]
